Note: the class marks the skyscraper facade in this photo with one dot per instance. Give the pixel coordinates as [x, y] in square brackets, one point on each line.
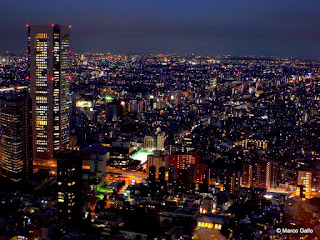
[14, 133]
[69, 186]
[48, 74]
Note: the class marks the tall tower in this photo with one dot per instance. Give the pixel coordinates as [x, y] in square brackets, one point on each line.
[14, 136]
[48, 73]
[69, 186]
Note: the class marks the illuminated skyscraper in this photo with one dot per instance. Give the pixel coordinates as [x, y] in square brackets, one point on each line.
[48, 49]
[14, 133]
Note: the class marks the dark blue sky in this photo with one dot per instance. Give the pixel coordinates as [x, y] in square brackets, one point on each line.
[238, 27]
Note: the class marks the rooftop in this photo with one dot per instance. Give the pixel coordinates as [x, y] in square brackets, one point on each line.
[95, 149]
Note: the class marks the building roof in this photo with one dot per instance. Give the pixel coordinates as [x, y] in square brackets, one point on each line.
[95, 149]
[212, 218]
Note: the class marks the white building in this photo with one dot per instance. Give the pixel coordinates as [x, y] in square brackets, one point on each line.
[148, 142]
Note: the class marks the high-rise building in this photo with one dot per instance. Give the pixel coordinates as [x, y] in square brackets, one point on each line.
[152, 175]
[247, 175]
[190, 178]
[158, 159]
[272, 175]
[148, 142]
[160, 141]
[315, 180]
[305, 179]
[206, 179]
[96, 157]
[14, 136]
[69, 181]
[162, 176]
[232, 182]
[199, 172]
[261, 174]
[181, 161]
[182, 177]
[171, 176]
[48, 74]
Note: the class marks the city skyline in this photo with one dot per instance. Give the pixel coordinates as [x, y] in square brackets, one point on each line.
[160, 145]
[209, 27]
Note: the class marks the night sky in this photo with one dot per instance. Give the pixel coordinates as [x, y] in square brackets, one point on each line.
[213, 27]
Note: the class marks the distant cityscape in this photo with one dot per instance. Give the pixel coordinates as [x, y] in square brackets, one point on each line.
[156, 146]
